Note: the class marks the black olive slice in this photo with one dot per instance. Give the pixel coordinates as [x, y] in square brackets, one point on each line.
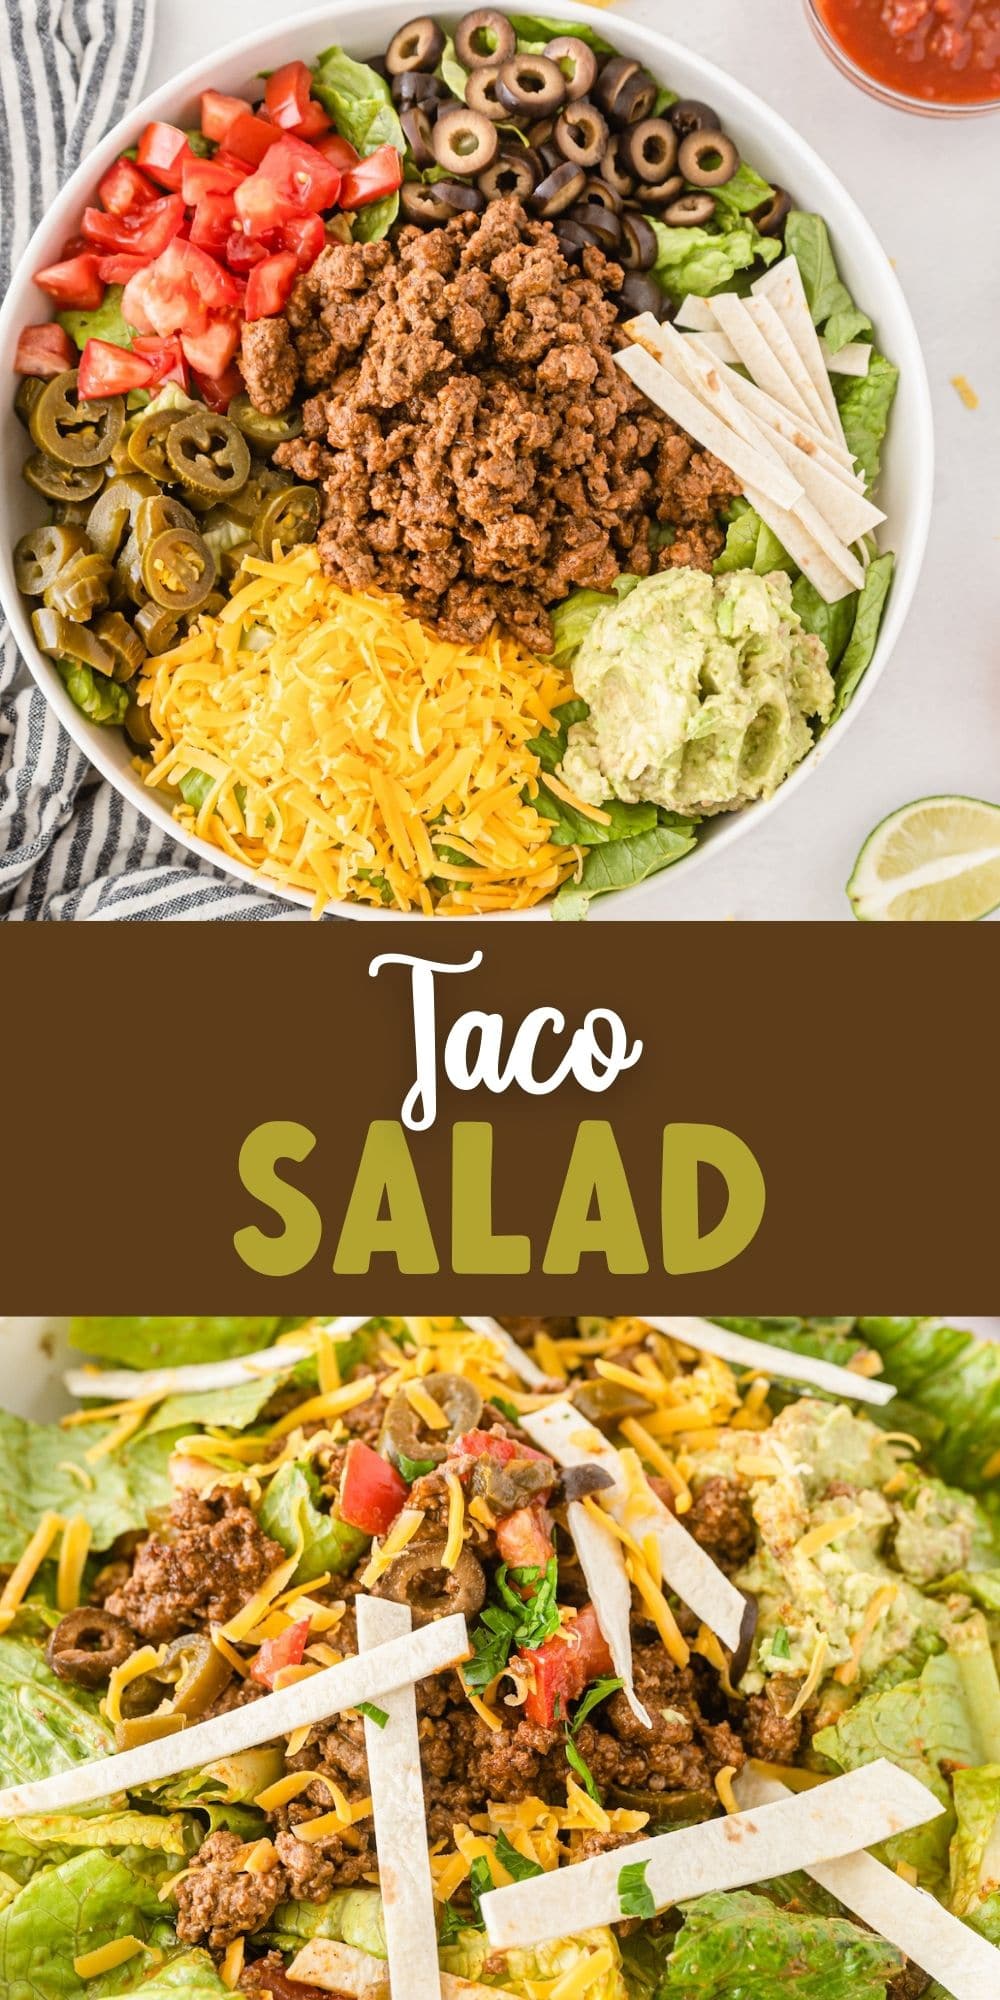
[617, 72]
[770, 217]
[581, 133]
[574, 238]
[550, 156]
[668, 190]
[639, 246]
[603, 226]
[531, 84]
[514, 172]
[421, 201]
[707, 159]
[651, 149]
[641, 294]
[541, 131]
[748, 1628]
[615, 171]
[419, 134]
[577, 62]
[484, 36]
[559, 190]
[689, 114]
[414, 86]
[418, 45]
[598, 193]
[459, 198]
[690, 211]
[464, 141]
[636, 99]
[481, 94]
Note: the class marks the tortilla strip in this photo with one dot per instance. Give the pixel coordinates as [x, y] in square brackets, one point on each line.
[361, 1678]
[117, 1384]
[397, 1792]
[852, 359]
[342, 1968]
[804, 549]
[841, 507]
[758, 356]
[767, 1360]
[568, 1438]
[668, 394]
[519, 1363]
[783, 286]
[860, 1809]
[697, 314]
[775, 417]
[603, 1566]
[779, 340]
[718, 345]
[945, 1948]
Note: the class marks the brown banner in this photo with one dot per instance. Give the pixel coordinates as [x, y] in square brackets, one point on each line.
[829, 1064]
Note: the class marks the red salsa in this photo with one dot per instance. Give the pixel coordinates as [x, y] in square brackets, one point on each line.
[945, 51]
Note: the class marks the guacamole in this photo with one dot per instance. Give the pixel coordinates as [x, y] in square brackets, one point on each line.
[701, 690]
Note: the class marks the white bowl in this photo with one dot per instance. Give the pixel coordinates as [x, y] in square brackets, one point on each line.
[764, 138]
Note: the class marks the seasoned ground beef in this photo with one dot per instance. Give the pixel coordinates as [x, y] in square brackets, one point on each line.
[268, 1975]
[478, 449]
[218, 1900]
[525, 1329]
[199, 1570]
[721, 1519]
[770, 1733]
[270, 369]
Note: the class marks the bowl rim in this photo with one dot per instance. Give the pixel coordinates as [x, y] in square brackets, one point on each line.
[660, 49]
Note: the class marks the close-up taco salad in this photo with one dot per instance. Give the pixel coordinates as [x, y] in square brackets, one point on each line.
[585, 1658]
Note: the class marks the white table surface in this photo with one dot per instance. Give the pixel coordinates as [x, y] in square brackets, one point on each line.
[931, 190]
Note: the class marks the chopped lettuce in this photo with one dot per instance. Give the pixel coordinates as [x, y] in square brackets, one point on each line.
[807, 239]
[572, 620]
[227, 1409]
[190, 1974]
[742, 1947]
[74, 1908]
[534, 31]
[571, 828]
[706, 260]
[947, 1717]
[352, 1916]
[104, 322]
[46, 1724]
[230, 1781]
[40, 1838]
[946, 1372]
[360, 103]
[869, 607]
[864, 402]
[157, 1342]
[290, 1506]
[114, 1494]
[975, 1850]
[95, 695]
[620, 864]
[750, 544]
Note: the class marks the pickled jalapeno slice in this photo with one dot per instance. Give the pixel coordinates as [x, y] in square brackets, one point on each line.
[287, 517]
[61, 482]
[178, 569]
[73, 431]
[42, 553]
[208, 454]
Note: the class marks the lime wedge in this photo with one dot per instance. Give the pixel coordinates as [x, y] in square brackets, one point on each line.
[933, 861]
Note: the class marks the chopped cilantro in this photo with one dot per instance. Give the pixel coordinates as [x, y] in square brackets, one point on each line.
[413, 1468]
[452, 1924]
[583, 1771]
[373, 1714]
[599, 1692]
[506, 1409]
[517, 1621]
[480, 1882]
[780, 1648]
[515, 1863]
[635, 1897]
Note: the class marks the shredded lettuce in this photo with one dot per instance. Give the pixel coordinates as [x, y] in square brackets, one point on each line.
[834, 312]
[620, 864]
[104, 322]
[742, 1947]
[98, 697]
[290, 1506]
[74, 1908]
[360, 103]
[156, 1342]
[864, 402]
[706, 260]
[115, 1493]
[46, 1724]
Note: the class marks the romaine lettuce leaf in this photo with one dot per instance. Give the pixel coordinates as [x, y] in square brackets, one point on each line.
[95, 695]
[230, 1781]
[46, 1724]
[156, 1342]
[864, 402]
[741, 1947]
[975, 1850]
[706, 261]
[291, 1504]
[360, 103]
[807, 239]
[571, 828]
[74, 1908]
[352, 1916]
[37, 1836]
[945, 1371]
[114, 1493]
[105, 322]
[622, 863]
[226, 1409]
[190, 1974]
[750, 544]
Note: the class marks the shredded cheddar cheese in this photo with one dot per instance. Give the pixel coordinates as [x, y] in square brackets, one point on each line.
[791, 1775]
[284, 1789]
[232, 1964]
[107, 1957]
[659, 1611]
[142, 1661]
[330, 1403]
[813, 1677]
[824, 1532]
[402, 1531]
[878, 1604]
[724, 1787]
[456, 1521]
[27, 1566]
[73, 1552]
[355, 752]
[259, 1857]
[422, 1402]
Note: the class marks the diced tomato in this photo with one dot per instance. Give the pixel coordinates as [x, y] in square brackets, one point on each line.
[292, 179]
[338, 151]
[380, 174]
[286, 94]
[270, 283]
[75, 283]
[107, 370]
[44, 350]
[314, 121]
[219, 112]
[123, 187]
[524, 1538]
[200, 177]
[165, 357]
[144, 233]
[210, 351]
[249, 137]
[371, 1490]
[176, 293]
[285, 1651]
[74, 246]
[117, 270]
[562, 1668]
[218, 391]
[243, 252]
[212, 222]
[231, 162]
[164, 151]
[489, 1444]
[306, 236]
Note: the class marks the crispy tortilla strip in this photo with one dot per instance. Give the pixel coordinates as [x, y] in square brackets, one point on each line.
[687, 1568]
[782, 286]
[697, 314]
[805, 549]
[967, 1965]
[767, 1360]
[718, 345]
[603, 1566]
[780, 342]
[519, 1363]
[701, 423]
[342, 1969]
[766, 368]
[854, 359]
[845, 514]
[361, 1678]
[866, 1806]
[397, 1790]
[773, 416]
[117, 1384]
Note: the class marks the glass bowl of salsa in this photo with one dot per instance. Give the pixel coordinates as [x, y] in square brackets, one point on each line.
[938, 57]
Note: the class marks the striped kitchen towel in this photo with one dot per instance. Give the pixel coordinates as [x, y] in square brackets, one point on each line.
[69, 846]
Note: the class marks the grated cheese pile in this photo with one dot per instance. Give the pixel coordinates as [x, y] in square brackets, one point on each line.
[350, 751]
